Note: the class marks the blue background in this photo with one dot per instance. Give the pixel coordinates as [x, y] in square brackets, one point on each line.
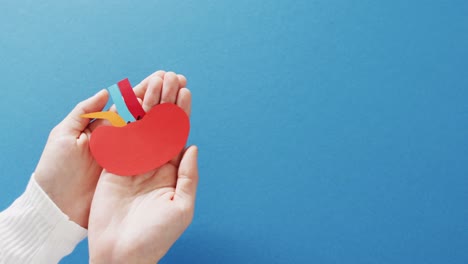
[329, 131]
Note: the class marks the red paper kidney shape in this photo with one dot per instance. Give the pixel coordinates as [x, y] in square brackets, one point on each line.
[143, 145]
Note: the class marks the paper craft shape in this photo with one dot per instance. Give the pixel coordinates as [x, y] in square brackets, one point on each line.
[130, 99]
[120, 103]
[112, 117]
[130, 148]
[144, 145]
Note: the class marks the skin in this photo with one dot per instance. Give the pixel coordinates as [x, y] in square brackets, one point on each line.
[67, 171]
[137, 219]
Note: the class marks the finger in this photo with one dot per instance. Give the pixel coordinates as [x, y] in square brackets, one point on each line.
[187, 179]
[141, 88]
[182, 81]
[176, 160]
[74, 123]
[184, 100]
[166, 177]
[170, 88]
[84, 137]
[153, 93]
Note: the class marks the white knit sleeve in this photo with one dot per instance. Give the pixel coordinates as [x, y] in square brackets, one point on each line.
[34, 230]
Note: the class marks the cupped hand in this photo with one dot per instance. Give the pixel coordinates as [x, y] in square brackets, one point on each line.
[136, 219]
[66, 171]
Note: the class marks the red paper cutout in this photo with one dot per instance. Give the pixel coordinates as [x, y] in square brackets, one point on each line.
[144, 145]
[130, 99]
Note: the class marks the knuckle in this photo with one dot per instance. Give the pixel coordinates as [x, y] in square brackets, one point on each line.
[80, 104]
[80, 107]
[155, 79]
[55, 131]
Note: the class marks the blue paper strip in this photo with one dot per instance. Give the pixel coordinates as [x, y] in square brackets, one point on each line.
[120, 103]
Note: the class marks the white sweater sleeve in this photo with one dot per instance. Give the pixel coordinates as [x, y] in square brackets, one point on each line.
[34, 230]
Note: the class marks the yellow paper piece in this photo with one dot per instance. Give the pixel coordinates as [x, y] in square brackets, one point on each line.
[112, 117]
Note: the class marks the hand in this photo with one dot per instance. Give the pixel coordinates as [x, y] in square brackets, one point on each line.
[137, 219]
[66, 171]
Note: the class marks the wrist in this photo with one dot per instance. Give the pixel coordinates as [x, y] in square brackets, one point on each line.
[75, 209]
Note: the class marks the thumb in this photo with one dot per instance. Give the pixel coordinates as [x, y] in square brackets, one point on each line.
[76, 124]
[187, 179]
